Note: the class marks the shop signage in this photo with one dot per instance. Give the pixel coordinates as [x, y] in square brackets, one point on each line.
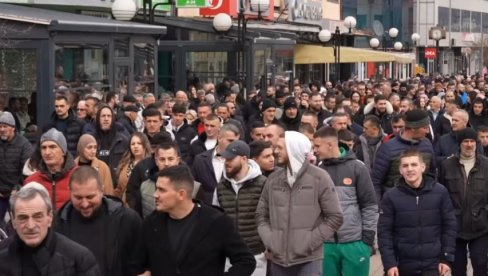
[430, 53]
[220, 6]
[192, 3]
[304, 11]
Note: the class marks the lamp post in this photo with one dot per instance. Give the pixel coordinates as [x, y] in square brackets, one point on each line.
[326, 36]
[124, 9]
[437, 33]
[415, 39]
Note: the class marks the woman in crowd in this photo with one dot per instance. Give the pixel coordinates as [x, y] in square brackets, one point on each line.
[87, 155]
[139, 149]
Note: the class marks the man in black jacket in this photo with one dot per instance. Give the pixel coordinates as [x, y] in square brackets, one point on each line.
[36, 249]
[65, 120]
[187, 238]
[417, 226]
[465, 176]
[182, 131]
[104, 225]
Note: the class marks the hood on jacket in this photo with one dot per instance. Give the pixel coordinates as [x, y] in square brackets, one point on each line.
[254, 171]
[298, 147]
[69, 164]
[113, 204]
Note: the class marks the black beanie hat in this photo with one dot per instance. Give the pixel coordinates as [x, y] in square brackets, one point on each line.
[267, 103]
[290, 103]
[467, 133]
[416, 118]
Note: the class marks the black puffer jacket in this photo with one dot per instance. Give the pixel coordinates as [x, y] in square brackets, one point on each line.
[13, 155]
[468, 195]
[73, 130]
[417, 227]
[58, 256]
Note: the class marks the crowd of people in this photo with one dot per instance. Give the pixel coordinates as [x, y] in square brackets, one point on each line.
[301, 180]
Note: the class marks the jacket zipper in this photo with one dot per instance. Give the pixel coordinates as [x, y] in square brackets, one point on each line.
[288, 227]
[53, 184]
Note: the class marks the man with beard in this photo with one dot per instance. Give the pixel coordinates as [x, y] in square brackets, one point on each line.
[483, 138]
[102, 224]
[291, 117]
[238, 193]
[370, 140]
[298, 210]
[382, 109]
[316, 106]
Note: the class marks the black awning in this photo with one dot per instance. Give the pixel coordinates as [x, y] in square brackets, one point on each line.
[63, 21]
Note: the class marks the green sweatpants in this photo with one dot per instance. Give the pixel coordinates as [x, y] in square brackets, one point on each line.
[346, 259]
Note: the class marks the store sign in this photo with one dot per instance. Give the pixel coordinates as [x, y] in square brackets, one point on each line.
[220, 6]
[305, 11]
[192, 3]
[430, 53]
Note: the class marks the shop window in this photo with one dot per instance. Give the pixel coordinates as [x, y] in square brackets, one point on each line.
[475, 22]
[82, 67]
[443, 16]
[283, 66]
[144, 68]
[121, 47]
[210, 67]
[166, 67]
[455, 20]
[485, 22]
[465, 21]
[262, 58]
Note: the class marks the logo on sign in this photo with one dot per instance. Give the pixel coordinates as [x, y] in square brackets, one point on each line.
[430, 53]
[220, 6]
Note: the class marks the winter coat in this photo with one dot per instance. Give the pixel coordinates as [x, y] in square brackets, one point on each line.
[294, 222]
[212, 239]
[197, 146]
[73, 131]
[123, 231]
[58, 256]
[140, 173]
[58, 184]
[291, 124]
[104, 172]
[469, 195]
[416, 227]
[239, 201]
[13, 156]
[385, 118]
[203, 172]
[447, 145]
[357, 197]
[386, 166]
[119, 145]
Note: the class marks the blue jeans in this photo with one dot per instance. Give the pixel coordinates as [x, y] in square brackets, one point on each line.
[313, 268]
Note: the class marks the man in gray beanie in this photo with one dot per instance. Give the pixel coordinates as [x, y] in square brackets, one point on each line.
[15, 149]
[55, 168]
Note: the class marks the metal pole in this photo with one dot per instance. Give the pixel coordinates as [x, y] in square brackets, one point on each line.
[438, 67]
[337, 53]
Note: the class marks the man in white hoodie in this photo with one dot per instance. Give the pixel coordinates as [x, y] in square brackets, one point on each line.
[238, 193]
[298, 210]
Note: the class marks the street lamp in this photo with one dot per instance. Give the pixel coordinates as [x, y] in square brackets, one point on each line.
[336, 37]
[222, 22]
[398, 46]
[124, 9]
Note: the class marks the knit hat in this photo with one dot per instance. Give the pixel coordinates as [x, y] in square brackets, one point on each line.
[267, 103]
[84, 141]
[467, 133]
[57, 137]
[6, 118]
[290, 103]
[416, 118]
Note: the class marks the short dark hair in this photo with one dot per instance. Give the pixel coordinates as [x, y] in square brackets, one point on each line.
[482, 129]
[257, 124]
[257, 147]
[396, 118]
[58, 98]
[204, 104]
[179, 108]
[166, 146]
[410, 153]
[379, 97]
[306, 128]
[326, 132]
[346, 135]
[373, 119]
[151, 112]
[180, 177]
[84, 173]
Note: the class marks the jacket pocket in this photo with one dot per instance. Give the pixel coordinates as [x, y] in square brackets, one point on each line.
[300, 244]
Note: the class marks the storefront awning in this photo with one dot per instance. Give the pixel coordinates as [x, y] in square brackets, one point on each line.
[313, 54]
[63, 21]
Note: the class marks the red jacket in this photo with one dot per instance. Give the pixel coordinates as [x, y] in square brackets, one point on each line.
[57, 182]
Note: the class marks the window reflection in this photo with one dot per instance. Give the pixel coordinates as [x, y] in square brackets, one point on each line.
[144, 68]
[82, 66]
[210, 67]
